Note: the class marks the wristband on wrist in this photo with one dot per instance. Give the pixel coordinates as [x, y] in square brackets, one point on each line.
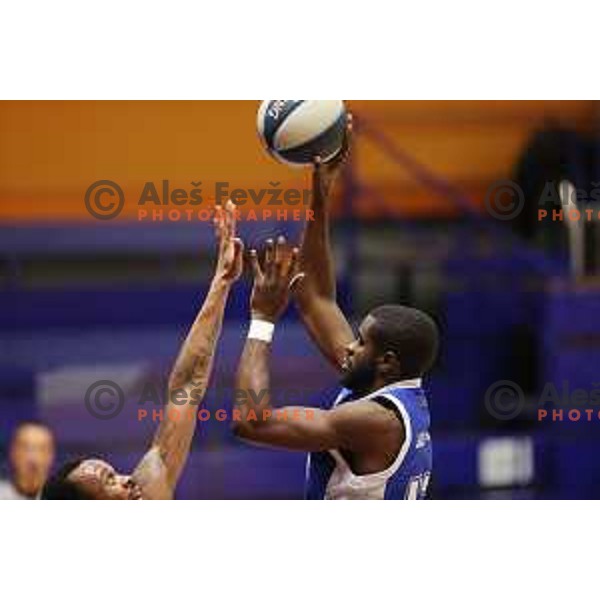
[261, 330]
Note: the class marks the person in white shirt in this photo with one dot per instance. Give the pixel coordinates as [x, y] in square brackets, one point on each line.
[31, 454]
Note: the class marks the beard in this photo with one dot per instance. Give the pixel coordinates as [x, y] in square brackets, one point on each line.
[360, 378]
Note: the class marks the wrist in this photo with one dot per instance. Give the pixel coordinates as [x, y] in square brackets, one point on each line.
[258, 315]
[261, 330]
[220, 283]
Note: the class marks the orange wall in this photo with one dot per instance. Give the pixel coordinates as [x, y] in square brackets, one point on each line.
[50, 152]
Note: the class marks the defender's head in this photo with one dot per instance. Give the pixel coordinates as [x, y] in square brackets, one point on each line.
[90, 479]
[31, 454]
[394, 342]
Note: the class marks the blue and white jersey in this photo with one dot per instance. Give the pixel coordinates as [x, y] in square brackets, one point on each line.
[329, 477]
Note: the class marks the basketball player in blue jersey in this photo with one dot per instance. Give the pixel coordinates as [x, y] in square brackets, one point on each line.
[373, 442]
[156, 475]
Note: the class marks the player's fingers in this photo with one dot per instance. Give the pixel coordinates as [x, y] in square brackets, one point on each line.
[293, 264]
[238, 256]
[269, 254]
[349, 129]
[347, 141]
[256, 270]
[218, 223]
[317, 164]
[280, 249]
[296, 279]
[238, 246]
[297, 276]
[225, 220]
[230, 210]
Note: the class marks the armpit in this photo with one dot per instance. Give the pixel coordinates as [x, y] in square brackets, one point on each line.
[151, 476]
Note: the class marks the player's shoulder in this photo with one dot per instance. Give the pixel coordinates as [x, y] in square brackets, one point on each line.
[365, 424]
[372, 411]
[7, 491]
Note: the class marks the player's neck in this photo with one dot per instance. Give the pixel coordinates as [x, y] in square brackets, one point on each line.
[21, 487]
[381, 382]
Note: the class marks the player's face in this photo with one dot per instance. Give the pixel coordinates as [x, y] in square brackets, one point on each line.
[359, 366]
[99, 480]
[31, 456]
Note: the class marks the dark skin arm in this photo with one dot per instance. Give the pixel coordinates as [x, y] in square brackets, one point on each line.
[316, 295]
[161, 467]
[354, 427]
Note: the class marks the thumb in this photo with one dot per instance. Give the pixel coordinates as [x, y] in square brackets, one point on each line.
[296, 279]
[238, 246]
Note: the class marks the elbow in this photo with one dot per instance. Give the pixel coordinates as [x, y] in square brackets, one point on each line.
[242, 430]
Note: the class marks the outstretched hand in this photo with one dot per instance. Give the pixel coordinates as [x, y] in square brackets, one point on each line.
[231, 248]
[325, 174]
[274, 281]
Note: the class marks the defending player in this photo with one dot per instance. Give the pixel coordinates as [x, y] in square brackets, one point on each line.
[159, 470]
[374, 442]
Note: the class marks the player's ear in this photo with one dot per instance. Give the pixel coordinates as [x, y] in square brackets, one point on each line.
[389, 363]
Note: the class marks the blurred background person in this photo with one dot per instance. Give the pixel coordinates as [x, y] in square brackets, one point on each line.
[30, 454]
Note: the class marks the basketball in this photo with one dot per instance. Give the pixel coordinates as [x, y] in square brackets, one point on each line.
[297, 131]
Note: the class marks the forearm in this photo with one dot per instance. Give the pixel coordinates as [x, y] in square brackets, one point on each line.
[316, 294]
[252, 387]
[315, 254]
[195, 357]
[294, 427]
[256, 420]
[189, 380]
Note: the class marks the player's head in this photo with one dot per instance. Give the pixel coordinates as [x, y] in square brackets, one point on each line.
[90, 479]
[394, 342]
[31, 455]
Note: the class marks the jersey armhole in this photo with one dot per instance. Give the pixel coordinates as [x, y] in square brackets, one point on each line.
[391, 406]
[404, 421]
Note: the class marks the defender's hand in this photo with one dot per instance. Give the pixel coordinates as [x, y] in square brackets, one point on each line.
[230, 258]
[274, 281]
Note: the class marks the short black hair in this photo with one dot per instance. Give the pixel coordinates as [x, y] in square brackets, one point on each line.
[408, 332]
[58, 487]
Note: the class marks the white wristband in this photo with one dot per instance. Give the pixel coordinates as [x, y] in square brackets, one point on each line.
[261, 330]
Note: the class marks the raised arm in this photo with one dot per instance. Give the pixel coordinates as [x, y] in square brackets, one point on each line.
[161, 467]
[316, 296]
[353, 426]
